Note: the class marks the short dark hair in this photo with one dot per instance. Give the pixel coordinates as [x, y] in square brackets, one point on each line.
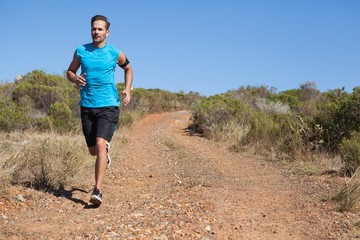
[101, 17]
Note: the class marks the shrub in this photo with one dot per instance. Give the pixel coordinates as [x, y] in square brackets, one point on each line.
[40, 90]
[6, 90]
[350, 153]
[308, 92]
[261, 128]
[339, 116]
[290, 97]
[291, 136]
[13, 116]
[212, 114]
[61, 117]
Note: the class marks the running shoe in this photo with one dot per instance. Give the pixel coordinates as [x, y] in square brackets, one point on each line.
[96, 197]
[108, 155]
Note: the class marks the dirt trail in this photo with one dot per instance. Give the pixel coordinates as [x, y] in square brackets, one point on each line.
[166, 184]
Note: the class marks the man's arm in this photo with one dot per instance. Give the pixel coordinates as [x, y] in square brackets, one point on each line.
[128, 76]
[71, 72]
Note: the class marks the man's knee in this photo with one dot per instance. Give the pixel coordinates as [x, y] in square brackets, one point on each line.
[100, 144]
[92, 151]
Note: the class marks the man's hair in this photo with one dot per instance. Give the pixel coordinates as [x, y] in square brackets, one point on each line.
[101, 17]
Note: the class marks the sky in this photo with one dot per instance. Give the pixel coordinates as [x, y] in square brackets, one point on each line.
[204, 46]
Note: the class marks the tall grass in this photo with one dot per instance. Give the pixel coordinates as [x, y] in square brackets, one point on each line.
[231, 131]
[9, 161]
[43, 161]
[348, 197]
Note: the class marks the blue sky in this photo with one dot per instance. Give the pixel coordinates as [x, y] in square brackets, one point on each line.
[205, 46]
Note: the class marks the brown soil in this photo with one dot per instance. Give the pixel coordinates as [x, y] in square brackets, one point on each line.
[167, 184]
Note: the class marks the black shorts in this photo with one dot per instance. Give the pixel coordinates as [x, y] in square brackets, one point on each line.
[99, 122]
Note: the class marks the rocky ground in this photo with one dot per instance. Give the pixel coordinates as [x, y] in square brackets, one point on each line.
[168, 184]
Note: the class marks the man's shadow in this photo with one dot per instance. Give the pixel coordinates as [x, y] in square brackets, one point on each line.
[68, 194]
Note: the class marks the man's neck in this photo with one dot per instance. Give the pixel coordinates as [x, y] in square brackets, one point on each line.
[99, 45]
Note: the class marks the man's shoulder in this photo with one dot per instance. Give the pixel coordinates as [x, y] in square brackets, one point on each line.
[84, 46]
[113, 48]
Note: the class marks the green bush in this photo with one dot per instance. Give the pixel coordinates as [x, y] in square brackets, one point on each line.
[59, 119]
[280, 133]
[350, 153]
[291, 134]
[39, 101]
[40, 90]
[13, 116]
[339, 116]
[61, 116]
[262, 127]
[6, 90]
[213, 113]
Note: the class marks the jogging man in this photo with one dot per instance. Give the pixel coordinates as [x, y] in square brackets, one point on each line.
[99, 99]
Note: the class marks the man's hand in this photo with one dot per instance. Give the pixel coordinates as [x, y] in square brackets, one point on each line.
[127, 96]
[80, 80]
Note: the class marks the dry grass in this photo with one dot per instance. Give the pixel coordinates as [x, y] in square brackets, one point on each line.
[8, 163]
[42, 161]
[348, 197]
[267, 106]
[231, 132]
[11, 150]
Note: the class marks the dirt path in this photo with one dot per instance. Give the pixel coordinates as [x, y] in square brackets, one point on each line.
[167, 184]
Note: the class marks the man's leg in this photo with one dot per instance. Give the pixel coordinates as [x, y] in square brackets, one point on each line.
[107, 119]
[106, 125]
[101, 162]
[99, 150]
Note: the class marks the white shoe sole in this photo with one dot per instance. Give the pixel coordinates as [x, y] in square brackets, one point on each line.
[95, 200]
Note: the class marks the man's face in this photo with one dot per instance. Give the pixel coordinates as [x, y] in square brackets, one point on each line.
[98, 31]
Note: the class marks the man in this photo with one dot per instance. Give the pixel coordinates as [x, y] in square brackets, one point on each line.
[99, 99]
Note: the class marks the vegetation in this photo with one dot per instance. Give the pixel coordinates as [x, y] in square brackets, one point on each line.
[269, 122]
[41, 161]
[348, 197]
[338, 114]
[294, 124]
[350, 153]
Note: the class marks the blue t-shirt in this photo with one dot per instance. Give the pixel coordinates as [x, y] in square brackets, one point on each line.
[99, 64]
